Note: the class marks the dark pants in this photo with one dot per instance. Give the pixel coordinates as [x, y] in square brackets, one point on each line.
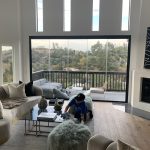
[78, 116]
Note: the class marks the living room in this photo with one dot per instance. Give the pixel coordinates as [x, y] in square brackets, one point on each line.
[19, 22]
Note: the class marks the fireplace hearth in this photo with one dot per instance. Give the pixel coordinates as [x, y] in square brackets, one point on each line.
[145, 90]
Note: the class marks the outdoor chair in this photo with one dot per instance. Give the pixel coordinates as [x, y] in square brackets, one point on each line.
[99, 90]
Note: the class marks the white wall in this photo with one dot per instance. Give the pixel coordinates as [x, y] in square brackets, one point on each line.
[10, 29]
[140, 53]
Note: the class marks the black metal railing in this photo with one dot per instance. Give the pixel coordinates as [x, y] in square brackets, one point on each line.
[116, 81]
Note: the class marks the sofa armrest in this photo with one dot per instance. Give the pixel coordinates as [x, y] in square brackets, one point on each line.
[37, 90]
[98, 142]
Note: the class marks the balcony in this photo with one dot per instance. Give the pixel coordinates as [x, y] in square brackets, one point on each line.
[116, 81]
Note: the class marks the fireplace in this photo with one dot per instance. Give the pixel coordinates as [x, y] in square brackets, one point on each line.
[145, 90]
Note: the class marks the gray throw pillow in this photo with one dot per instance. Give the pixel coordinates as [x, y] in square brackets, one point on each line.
[59, 94]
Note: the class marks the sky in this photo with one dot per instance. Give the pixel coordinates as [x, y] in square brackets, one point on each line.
[77, 44]
[7, 48]
[96, 15]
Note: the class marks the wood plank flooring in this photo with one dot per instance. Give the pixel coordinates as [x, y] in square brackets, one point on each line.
[108, 121]
[116, 124]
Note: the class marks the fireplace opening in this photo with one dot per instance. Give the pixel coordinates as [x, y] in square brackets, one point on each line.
[145, 91]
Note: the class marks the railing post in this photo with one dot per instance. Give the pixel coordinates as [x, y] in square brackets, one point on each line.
[92, 80]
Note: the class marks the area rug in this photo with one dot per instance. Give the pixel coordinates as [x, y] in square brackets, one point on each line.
[19, 140]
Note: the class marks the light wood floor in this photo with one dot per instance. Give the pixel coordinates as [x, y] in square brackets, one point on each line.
[108, 121]
[116, 124]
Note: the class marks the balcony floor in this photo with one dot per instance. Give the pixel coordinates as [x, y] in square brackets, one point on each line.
[109, 96]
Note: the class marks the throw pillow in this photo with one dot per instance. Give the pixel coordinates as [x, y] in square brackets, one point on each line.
[125, 146]
[1, 110]
[3, 94]
[28, 88]
[59, 94]
[17, 91]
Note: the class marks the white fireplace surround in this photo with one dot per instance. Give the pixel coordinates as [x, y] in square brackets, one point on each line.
[136, 91]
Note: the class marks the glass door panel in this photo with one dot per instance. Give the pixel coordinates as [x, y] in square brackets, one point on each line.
[89, 62]
[7, 64]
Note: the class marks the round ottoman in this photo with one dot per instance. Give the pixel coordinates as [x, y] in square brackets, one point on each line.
[4, 130]
[69, 136]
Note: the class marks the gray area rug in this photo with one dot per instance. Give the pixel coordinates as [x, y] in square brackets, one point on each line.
[18, 141]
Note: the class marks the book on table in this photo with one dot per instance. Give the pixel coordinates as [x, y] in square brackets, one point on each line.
[47, 116]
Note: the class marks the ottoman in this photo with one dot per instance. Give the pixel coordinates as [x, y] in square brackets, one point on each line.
[68, 136]
[4, 130]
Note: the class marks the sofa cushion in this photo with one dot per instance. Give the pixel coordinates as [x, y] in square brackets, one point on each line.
[43, 81]
[28, 88]
[1, 110]
[36, 83]
[59, 94]
[125, 146]
[3, 94]
[48, 93]
[16, 91]
[40, 82]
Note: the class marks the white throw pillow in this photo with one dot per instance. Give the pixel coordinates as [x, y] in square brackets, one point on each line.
[1, 110]
[17, 91]
[87, 93]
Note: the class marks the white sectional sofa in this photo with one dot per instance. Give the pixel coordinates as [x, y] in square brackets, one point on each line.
[16, 111]
[13, 109]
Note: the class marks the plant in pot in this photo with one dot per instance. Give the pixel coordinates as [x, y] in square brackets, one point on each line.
[42, 104]
[58, 106]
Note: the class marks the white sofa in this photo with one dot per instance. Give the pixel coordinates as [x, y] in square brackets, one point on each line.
[19, 111]
[4, 130]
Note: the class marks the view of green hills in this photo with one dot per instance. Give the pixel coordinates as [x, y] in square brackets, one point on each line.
[7, 66]
[100, 57]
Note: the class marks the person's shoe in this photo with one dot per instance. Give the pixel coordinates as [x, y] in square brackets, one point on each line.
[91, 115]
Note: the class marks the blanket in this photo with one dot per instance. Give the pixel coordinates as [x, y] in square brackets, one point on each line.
[13, 102]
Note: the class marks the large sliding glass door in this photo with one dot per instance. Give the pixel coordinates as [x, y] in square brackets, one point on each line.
[83, 62]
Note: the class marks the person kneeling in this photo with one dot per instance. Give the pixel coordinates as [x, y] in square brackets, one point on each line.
[78, 107]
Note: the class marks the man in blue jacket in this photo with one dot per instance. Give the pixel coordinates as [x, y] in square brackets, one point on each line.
[78, 107]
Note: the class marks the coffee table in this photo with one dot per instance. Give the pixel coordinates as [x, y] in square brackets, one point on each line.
[34, 126]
